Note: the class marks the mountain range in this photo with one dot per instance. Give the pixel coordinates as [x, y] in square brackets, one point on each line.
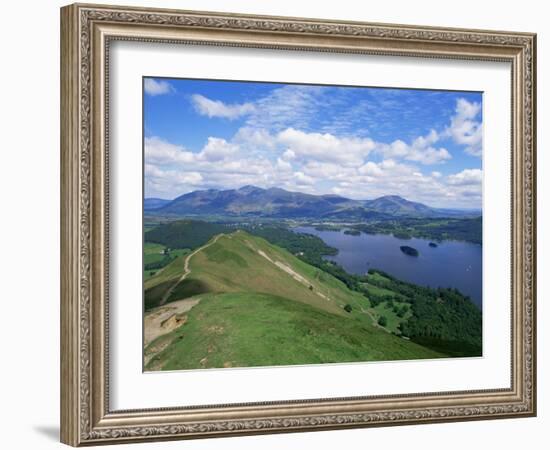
[154, 203]
[252, 201]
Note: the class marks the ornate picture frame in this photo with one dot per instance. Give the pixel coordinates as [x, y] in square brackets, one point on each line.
[87, 31]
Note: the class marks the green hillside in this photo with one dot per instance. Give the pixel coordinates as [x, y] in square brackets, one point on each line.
[261, 305]
[247, 329]
[156, 286]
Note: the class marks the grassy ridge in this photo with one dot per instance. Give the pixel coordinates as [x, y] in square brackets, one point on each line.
[263, 305]
[155, 287]
[310, 247]
[260, 305]
[440, 318]
[234, 264]
[251, 329]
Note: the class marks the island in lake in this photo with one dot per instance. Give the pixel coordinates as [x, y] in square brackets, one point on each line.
[432, 244]
[352, 232]
[411, 251]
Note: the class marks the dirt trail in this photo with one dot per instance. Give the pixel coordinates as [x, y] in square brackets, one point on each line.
[299, 278]
[374, 321]
[162, 320]
[186, 270]
[159, 320]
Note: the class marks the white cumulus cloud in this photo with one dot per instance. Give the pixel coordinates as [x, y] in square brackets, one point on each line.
[284, 142]
[217, 149]
[420, 150]
[154, 87]
[302, 178]
[325, 147]
[466, 128]
[217, 108]
[159, 151]
[468, 177]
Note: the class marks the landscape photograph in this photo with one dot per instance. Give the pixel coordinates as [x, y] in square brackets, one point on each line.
[291, 224]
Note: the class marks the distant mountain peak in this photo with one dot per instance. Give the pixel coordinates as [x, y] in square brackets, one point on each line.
[254, 201]
[396, 205]
[250, 188]
[154, 203]
[391, 197]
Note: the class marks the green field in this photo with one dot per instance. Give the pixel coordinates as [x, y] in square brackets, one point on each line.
[158, 256]
[152, 252]
[251, 329]
[261, 305]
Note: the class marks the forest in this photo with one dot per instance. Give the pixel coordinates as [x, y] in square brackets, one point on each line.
[184, 233]
[469, 229]
[440, 316]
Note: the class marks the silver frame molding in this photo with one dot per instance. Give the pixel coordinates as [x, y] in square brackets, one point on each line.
[86, 33]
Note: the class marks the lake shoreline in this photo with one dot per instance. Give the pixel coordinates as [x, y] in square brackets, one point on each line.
[452, 264]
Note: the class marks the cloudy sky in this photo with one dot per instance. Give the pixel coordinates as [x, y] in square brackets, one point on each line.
[358, 142]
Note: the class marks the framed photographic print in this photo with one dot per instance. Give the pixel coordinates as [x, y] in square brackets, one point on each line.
[276, 224]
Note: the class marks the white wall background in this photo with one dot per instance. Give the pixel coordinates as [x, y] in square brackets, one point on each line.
[29, 225]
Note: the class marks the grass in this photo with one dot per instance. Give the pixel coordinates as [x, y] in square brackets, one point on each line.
[154, 294]
[149, 274]
[234, 264]
[375, 276]
[393, 320]
[219, 254]
[380, 291]
[452, 348]
[260, 305]
[252, 329]
[188, 288]
[154, 253]
[156, 286]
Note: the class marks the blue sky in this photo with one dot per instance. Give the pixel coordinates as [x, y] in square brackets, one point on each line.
[358, 142]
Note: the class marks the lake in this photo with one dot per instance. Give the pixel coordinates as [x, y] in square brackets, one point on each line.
[451, 264]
